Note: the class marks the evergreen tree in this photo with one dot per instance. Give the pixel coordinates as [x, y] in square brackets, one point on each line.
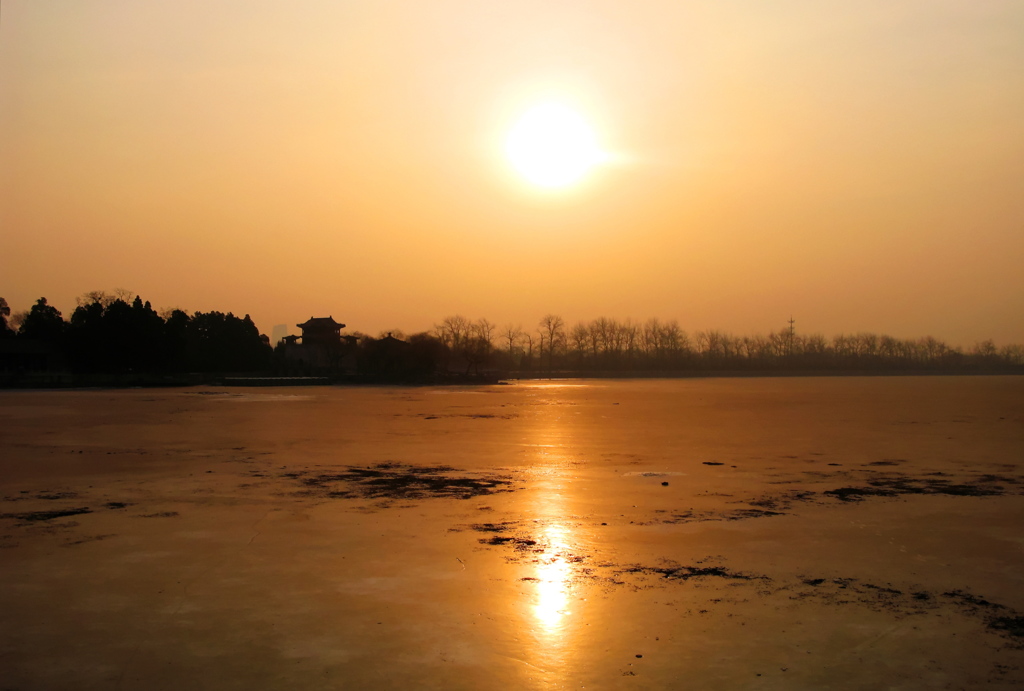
[44, 322]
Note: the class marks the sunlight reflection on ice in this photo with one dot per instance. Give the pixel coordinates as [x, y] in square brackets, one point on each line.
[250, 397]
[556, 384]
[553, 574]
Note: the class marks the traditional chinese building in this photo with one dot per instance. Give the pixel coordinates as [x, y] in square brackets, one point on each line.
[321, 349]
[321, 330]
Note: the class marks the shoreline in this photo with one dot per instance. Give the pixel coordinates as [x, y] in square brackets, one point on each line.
[57, 381]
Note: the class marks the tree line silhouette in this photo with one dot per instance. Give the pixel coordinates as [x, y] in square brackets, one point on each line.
[119, 334]
[108, 334]
[613, 346]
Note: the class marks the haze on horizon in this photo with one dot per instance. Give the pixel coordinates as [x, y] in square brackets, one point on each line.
[856, 165]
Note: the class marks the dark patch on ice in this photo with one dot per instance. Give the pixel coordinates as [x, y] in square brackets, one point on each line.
[502, 536]
[88, 538]
[46, 515]
[731, 515]
[986, 477]
[857, 493]
[684, 573]
[519, 543]
[398, 481]
[996, 617]
[782, 502]
[474, 416]
[492, 527]
[894, 485]
[51, 496]
[1011, 626]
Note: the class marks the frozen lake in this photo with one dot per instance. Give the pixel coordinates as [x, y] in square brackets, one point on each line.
[762, 533]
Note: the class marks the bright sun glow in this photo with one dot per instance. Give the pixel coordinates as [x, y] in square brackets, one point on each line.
[552, 146]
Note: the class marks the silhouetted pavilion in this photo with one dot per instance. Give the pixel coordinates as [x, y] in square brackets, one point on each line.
[321, 331]
[321, 349]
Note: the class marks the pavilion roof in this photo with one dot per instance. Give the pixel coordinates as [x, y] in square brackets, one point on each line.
[321, 323]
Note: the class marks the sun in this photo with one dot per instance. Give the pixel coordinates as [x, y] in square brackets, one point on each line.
[552, 146]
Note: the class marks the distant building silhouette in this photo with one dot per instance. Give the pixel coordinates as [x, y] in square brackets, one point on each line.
[321, 331]
[321, 349]
[278, 334]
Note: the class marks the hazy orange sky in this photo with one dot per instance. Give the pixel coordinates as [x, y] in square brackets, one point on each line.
[858, 165]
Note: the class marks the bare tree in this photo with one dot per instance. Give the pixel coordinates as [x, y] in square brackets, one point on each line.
[613, 337]
[700, 339]
[512, 334]
[816, 344]
[95, 297]
[102, 297]
[552, 326]
[452, 331]
[674, 339]
[650, 338]
[630, 337]
[602, 328]
[716, 343]
[529, 345]
[579, 336]
[1013, 354]
[484, 329]
[595, 332]
[985, 349]
[476, 345]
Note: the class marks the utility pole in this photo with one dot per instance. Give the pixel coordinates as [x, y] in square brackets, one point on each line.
[792, 334]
